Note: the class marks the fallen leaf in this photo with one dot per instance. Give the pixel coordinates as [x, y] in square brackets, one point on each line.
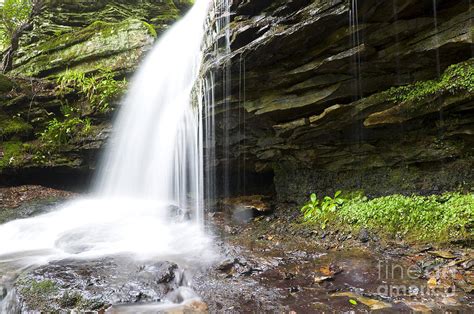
[468, 264]
[371, 303]
[470, 277]
[322, 279]
[432, 282]
[458, 276]
[419, 307]
[353, 302]
[443, 254]
[454, 263]
[326, 270]
[449, 301]
[467, 287]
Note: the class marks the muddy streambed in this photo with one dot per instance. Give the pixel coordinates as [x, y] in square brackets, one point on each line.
[279, 269]
[263, 265]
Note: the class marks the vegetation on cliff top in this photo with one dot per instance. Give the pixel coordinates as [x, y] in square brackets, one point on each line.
[13, 14]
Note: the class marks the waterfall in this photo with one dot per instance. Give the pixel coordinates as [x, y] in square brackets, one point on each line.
[216, 83]
[151, 171]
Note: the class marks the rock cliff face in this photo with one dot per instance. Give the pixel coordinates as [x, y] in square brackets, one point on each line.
[335, 94]
[86, 35]
[325, 95]
[72, 36]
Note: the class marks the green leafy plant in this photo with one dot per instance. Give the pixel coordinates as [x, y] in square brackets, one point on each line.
[457, 78]
[61, 132]
[438, 218]
[310, 209]
[318, 210]
[13, 14]
[330, 204]
[58, 132]
[100, 89]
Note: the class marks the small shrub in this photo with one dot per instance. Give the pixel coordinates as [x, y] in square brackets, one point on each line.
[100, 90]
[316, 210]
[58, 132]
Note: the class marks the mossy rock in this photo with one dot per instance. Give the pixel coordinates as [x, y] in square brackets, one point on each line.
[89, 34]
[14, 126]
[119, 45]
[6, 84]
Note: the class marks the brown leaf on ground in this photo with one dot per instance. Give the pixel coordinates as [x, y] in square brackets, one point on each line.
[15, 196]
[432, 282]
[419, 307]
[443, 254]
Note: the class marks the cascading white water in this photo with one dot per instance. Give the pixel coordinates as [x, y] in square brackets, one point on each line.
[154, 163]
[155, 152]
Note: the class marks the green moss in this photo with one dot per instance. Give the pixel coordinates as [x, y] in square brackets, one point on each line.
[38, 295]
[11, 153]
[88, 46]
[438, 218]
[64, 40]
[457, 78]
[6, 84]
[168, 18]
[14, 126]
[43, 287]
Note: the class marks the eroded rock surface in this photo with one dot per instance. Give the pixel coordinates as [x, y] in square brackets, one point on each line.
[312, 98]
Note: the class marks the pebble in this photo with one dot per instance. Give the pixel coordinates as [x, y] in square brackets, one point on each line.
[364, 235]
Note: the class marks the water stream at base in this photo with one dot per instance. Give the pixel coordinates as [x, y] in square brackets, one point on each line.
[148, 198]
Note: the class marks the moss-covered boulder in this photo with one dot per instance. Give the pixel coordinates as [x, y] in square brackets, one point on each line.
[88, 35]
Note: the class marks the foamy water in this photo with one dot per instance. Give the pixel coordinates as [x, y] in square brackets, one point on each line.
[153, 165]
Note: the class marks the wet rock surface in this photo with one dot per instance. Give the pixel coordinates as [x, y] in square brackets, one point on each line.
[88, 35]
[274, 266]
[271, 263]
[95, 285]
